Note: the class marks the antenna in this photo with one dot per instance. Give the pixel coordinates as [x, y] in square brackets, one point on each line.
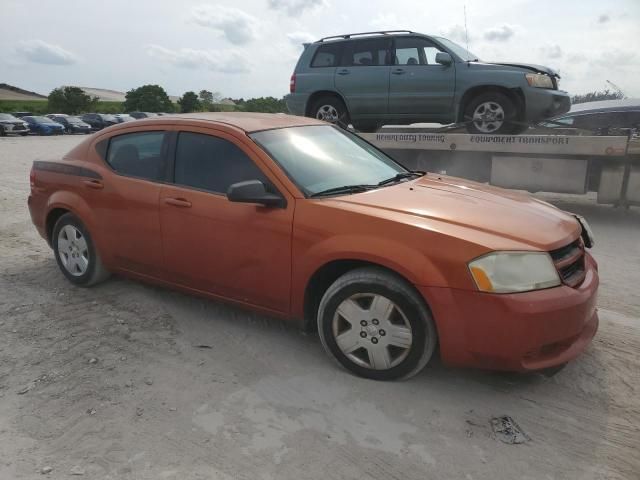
[466, 33]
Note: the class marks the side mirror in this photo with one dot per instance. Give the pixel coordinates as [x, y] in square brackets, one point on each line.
[443, 58]
[253, 191]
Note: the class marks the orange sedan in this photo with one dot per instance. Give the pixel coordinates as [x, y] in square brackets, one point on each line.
[301, 220]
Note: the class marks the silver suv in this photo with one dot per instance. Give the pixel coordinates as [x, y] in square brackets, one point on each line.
[401, 77]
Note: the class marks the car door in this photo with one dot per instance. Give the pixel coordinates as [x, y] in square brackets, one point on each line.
[418, 86]
[363, 76]
[239, 251]
[126, 198]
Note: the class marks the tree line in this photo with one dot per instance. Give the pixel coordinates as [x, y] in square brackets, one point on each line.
[153, 98]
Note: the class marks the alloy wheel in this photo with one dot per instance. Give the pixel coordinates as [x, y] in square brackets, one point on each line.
[73, 250]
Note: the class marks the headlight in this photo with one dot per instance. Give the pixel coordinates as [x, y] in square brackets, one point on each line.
[539, 80]
[509, 272]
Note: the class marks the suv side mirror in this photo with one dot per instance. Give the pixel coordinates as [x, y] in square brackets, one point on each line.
[254, 191]
[443, 58]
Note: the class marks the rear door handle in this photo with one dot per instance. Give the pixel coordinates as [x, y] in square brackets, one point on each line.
[344, 71]
[178, 202]
[398, 71]
[95, 184]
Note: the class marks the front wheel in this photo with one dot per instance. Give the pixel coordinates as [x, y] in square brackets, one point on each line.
[374, 324]
[331, 109]
[490, 113]
[75, 252]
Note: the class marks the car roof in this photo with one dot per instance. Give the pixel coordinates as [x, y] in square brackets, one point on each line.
[247, 121]
[605, 105]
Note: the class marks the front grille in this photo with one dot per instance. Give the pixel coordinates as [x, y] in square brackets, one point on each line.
[569, 261]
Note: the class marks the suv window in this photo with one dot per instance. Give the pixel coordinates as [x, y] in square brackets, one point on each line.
[211, 163]
[327, 55]
[359, 53]
[415, 51]
[138, 154]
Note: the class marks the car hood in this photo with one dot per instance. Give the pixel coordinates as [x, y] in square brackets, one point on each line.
[516, 217]
[528, 66]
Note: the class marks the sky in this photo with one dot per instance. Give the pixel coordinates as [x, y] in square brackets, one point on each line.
[249, 48]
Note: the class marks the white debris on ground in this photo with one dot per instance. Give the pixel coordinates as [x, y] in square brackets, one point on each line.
[264, 401]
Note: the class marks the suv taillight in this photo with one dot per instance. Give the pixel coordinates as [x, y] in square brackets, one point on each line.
[292, 84]
[32, 177]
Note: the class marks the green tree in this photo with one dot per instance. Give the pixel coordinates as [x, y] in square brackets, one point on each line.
[70, 100]
[189, 102]
[264, 104]
[148, 98]
[596, 96]
[206, 97]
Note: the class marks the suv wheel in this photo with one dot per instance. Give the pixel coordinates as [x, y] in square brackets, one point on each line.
[491, 112]
[330, 109]
[75, 252]
[375, 325]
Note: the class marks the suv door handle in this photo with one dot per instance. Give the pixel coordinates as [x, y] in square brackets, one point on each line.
[95, 184]
[398, 71]
[178, 202]
[344, 71]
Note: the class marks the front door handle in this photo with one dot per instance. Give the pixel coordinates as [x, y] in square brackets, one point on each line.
[95, 184]
[398, 71]
[344, 71]
[178, 202]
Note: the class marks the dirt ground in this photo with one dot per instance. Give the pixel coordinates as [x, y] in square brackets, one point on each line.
[127, 381]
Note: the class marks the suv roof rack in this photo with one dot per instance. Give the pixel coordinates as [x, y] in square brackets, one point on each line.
[349, 35]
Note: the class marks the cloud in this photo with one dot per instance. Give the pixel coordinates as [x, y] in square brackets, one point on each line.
[455, 33]
[501, 33]
[552, 51]
[604, 18]
[39, 51]
[223, 62]
[237, 26]
[298, 38]
[295, 8]
[384, 21]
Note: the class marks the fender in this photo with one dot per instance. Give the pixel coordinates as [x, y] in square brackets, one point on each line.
[78, 206]
[404, 260]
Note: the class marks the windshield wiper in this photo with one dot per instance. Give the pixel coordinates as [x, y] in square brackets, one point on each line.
[401, 176]
[343, 189]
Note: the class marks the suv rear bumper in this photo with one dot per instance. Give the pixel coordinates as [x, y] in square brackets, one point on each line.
[296, 103]
[518, 332]
[542, 103]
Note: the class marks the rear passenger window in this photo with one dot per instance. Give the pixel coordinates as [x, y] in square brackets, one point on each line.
[138, 154]
[211, 163]
[362, 53]
[327, 56]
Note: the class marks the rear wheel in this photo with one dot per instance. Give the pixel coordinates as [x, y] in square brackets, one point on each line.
[330, 109]
[491, 112]
[75, 252]
[374, 324]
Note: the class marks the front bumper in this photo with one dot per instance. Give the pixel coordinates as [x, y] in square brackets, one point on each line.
[517, 332]
[541, 103]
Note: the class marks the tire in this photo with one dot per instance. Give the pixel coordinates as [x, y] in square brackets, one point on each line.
[2, 132]
[492, 105]
[330, 109]
[364, 294]
[70, 231]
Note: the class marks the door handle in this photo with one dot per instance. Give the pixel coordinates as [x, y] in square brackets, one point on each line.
[95, 184]
[178, 202]
[398, 71]
[344, 71]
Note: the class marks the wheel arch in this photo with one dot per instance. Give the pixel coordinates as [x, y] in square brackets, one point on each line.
[321, 93]
[514, 94]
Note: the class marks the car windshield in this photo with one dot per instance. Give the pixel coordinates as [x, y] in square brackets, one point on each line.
[109, 118]
[461, 52]
[74, 120]
[42, 120]
[7, 117]
[319, 158]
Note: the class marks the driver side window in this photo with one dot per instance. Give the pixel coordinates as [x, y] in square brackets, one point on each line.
[415, 51]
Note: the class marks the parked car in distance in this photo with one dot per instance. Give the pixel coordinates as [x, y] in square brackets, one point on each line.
[71, 124]
[123, 117]
[98, 121]
[22, 114]
[603, 117]
[139, 115]
[401, 77]
[43, 125]
[386, 262]
[10, 124]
